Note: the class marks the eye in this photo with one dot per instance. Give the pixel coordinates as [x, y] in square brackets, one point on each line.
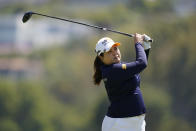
[115, 48]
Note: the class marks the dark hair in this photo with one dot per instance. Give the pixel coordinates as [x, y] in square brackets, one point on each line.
[97, 70]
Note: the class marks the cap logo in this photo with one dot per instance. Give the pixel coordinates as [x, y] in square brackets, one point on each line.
[105, 42]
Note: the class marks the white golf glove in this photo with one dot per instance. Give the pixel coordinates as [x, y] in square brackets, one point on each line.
[146, 44]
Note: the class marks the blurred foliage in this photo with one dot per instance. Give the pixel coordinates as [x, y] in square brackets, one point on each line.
[64, 97]
[151, 6]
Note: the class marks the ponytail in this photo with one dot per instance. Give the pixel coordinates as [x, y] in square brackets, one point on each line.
[97, 70]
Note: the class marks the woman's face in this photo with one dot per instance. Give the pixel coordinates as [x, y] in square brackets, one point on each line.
[112, 56]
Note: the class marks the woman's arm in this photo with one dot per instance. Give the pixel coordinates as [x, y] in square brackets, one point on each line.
[127, 70]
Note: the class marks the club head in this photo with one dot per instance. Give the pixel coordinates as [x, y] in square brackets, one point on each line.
[26, 16]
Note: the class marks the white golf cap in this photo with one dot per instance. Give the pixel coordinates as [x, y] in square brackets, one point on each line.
[104, 45]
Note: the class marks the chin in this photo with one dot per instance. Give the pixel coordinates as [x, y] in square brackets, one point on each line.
[117, 61]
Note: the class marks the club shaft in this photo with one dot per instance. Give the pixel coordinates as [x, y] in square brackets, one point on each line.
[98, 27]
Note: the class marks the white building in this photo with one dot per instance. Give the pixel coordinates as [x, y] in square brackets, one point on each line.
[36, 33]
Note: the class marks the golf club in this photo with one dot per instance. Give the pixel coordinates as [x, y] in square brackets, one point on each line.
[28, 15]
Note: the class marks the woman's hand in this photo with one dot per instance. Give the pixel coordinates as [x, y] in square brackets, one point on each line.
[138, 38]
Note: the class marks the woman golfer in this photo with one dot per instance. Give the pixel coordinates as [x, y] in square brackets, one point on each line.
[122, 82]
